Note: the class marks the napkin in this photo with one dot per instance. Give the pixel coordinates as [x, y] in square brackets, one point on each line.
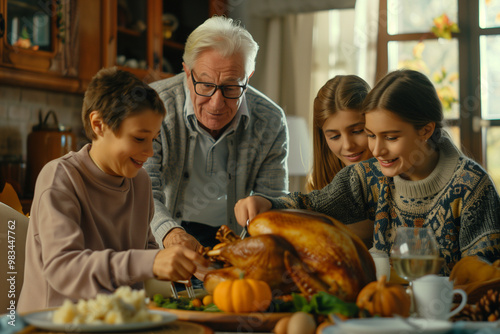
[11, 323]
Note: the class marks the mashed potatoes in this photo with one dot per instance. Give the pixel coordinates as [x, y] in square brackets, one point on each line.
[123, 306]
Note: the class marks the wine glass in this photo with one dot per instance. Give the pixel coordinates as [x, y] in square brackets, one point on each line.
[415, 253]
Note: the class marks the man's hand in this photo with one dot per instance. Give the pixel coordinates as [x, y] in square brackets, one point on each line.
[177, 263]
[178, 236]
[247, 208]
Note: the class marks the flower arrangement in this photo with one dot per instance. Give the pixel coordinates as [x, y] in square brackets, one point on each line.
[416, 63]
[442, 79]
[443, 27]
[444, 87]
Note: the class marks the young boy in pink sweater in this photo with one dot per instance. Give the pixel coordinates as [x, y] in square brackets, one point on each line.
[89, 227]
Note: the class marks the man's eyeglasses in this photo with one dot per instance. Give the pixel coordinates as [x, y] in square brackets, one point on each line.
[208, 89]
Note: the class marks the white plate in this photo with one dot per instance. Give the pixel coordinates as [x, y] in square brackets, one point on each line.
[43, 320]
[388, 326]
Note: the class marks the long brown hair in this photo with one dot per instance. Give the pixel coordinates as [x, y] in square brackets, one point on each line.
[339, 93]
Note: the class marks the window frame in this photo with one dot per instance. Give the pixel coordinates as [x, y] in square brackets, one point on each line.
[472, 134]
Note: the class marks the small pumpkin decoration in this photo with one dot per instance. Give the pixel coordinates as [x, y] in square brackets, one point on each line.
[242, 295]
[384, 299]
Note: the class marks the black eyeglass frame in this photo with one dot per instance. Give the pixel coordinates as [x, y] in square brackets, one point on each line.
[221, 87]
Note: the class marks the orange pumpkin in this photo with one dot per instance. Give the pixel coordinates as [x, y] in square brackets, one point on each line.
[242, 295]
[384, 299]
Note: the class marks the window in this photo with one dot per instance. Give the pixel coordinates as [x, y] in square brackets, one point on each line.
[463, 67]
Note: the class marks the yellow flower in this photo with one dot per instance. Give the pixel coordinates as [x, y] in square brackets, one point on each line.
[453, 77]
[448, 96]
[418, 49]
[437, 77]
[443, 27]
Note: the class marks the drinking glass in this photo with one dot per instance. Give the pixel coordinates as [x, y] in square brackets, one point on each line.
[415, 253]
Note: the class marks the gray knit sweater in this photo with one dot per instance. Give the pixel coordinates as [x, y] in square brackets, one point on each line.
[256, 161]
[458, 201]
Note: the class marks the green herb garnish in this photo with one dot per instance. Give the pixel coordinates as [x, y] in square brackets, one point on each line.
[182, 303]
[320, 303]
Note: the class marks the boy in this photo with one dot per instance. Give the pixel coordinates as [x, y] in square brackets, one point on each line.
[89, 230]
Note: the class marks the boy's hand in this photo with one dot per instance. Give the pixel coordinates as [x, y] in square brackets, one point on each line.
[247, 208]
[177, 263]
[178, 236]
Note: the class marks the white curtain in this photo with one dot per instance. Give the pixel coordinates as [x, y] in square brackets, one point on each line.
[286, 76]
[365, 38]
[300, 51]
[334, 52]
[287, 66]
[345, 42]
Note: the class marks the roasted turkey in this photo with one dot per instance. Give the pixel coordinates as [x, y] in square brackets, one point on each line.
[298, 250]
[259, 257]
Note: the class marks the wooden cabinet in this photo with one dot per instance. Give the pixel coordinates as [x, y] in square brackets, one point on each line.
[34, 50]
[47, 44]
[60, 45]
[147, 37]
[179, 19]
[132, 37]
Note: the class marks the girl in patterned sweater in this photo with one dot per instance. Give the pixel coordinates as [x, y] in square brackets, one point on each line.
[417, 178]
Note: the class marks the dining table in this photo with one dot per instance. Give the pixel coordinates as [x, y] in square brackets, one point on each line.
[186, 322]
[189, 327]
[201, 322]
[174, 327]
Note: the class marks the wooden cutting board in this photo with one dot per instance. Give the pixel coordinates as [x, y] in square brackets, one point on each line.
[234, 322]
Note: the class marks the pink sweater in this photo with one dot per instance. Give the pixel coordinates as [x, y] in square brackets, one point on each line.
[88, 233]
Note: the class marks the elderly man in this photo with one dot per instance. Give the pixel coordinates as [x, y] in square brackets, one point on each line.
[221, 139]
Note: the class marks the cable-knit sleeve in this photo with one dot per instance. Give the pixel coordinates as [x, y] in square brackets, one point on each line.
[343, 199]
[480, 221]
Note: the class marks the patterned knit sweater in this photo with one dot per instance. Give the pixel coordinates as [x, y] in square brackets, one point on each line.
[458, 201]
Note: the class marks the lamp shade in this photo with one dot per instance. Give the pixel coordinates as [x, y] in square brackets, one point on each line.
[299, 149]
